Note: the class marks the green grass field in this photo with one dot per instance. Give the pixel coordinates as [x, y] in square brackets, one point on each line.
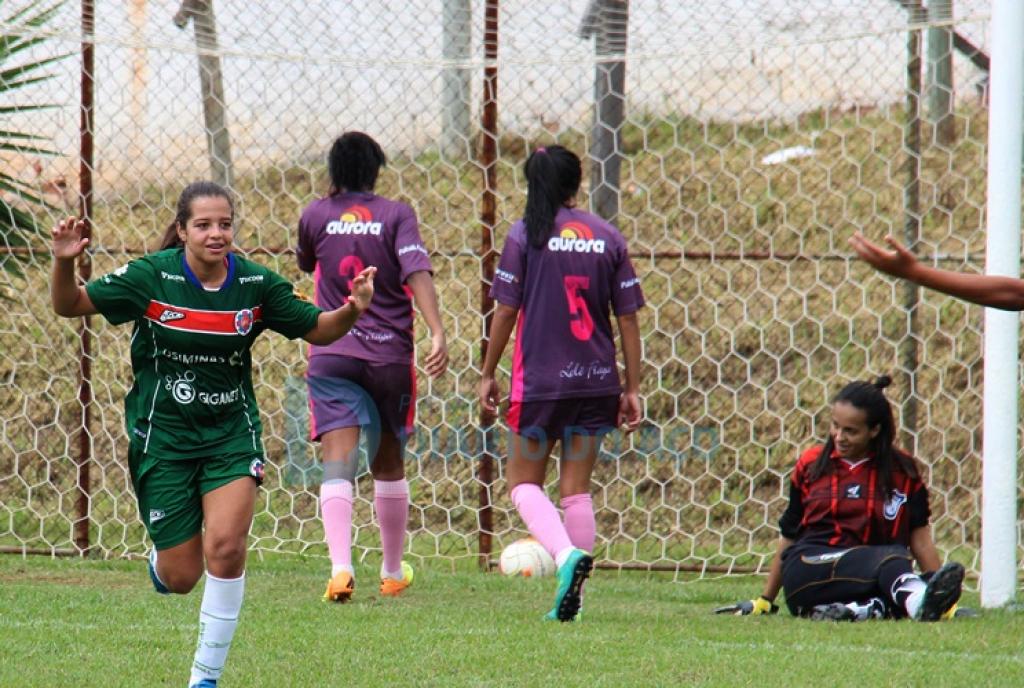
[98, 623]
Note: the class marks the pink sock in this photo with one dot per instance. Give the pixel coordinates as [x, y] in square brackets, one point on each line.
[541, 518]
[578, 510]
[391, 500]
[336, 510]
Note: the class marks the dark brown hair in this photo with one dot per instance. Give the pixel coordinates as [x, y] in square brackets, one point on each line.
[183, 212]
[354, 162]
[870, 398]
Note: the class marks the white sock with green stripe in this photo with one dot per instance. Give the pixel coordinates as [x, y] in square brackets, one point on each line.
[218, 617]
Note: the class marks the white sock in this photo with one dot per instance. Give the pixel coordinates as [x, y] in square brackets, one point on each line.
[563, 555]
[393, 575]
[335, 570]
[218, 617]
[911, 588]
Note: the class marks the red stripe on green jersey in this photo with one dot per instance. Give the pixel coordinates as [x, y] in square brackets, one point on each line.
[192, 394]
[202, 321]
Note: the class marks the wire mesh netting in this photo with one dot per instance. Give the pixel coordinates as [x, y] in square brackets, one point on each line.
[736, 143]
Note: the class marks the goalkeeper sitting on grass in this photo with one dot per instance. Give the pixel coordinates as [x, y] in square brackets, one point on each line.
[857, 520]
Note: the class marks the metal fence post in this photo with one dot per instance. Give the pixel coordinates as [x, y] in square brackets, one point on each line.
[488, 219]
[81, 523]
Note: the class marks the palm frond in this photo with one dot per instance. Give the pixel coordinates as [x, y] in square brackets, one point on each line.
[9, 75]
[18, 198]
[15, 109]
[33, 150]
[22, 190]
[21, 135]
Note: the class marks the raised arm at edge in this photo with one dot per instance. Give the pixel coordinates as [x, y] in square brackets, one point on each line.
[68, 298]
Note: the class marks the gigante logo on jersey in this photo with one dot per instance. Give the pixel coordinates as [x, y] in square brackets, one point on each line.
[355, 220]
[575, 236]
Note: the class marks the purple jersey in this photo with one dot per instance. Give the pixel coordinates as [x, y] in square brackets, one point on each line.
[339, 236]
[564, 291]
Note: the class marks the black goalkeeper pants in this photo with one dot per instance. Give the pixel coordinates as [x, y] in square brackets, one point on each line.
[819, 574]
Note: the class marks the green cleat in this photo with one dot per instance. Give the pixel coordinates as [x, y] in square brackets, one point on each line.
[571, 577]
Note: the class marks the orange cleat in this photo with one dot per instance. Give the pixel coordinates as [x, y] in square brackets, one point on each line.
[389, 587]
[340, 587]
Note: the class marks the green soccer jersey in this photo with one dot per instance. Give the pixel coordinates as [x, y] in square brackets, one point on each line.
[193, 396]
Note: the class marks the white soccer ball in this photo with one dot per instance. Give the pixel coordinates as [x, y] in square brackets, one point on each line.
[526, 557]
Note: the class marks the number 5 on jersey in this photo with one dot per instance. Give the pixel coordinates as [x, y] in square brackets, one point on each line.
[580, 321]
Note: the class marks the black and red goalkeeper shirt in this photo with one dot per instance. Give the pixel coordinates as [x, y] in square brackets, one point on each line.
[845, 507]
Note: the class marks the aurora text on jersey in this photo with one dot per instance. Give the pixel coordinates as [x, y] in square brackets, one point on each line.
[564, 291]
[341, 234]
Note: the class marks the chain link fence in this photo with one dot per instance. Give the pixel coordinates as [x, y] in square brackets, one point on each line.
[736, 143]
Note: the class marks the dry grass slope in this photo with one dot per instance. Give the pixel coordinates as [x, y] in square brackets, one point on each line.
[741, 353]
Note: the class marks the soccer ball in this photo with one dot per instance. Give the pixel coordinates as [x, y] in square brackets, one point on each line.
[526, 557]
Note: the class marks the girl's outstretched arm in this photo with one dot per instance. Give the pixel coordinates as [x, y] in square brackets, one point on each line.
[995, 291]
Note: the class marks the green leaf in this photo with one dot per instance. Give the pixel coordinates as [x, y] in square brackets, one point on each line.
[15, 109]
[15, 148]
[20, 135]
[21, 190]
[9, 75]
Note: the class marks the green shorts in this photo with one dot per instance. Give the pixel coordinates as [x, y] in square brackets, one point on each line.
[170, 491]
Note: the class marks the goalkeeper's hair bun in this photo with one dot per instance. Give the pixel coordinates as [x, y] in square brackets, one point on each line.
[883, 381]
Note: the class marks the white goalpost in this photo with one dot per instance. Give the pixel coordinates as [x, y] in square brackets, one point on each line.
[999, 458]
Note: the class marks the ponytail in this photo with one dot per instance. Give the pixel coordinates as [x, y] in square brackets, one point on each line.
[183, 210]
[553, 175]
[171, 238]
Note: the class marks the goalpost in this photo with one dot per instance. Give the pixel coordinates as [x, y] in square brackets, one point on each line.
[1001, 409]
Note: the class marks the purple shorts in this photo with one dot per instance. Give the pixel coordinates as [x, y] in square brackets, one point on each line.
[561, 418]
[347, 392]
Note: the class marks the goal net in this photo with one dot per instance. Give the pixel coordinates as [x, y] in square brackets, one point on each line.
[755, 137]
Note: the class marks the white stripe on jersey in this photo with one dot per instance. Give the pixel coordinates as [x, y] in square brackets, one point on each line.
[252, 430]
[156, 388]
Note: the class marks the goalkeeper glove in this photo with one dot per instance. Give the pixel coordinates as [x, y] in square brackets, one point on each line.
[760, 605]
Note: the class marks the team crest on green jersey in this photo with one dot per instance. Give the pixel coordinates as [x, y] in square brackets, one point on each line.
[243, 321]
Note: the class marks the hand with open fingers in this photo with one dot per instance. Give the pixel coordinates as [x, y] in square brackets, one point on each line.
[759, 605]
[629, 411]
[362, 289]
[436, 361]
[898, 262]
[67, 238]
[490, 396]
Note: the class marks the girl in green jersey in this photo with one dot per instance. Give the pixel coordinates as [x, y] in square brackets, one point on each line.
[195, 453]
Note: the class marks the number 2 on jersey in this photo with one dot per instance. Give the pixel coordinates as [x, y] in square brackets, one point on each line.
[350, 266]
[580, 321]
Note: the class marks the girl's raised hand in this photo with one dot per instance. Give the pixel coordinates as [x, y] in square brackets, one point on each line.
[67, 238]
[362, 289]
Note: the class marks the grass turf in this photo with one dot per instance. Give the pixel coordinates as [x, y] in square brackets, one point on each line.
[98, 623]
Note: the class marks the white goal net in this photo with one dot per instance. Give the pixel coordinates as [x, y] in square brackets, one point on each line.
[755, 137]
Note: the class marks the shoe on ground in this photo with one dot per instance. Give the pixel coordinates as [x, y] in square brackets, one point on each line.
[942, 593]
[340, 587]
[571, 576]
[389, 587]
[834, 611]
